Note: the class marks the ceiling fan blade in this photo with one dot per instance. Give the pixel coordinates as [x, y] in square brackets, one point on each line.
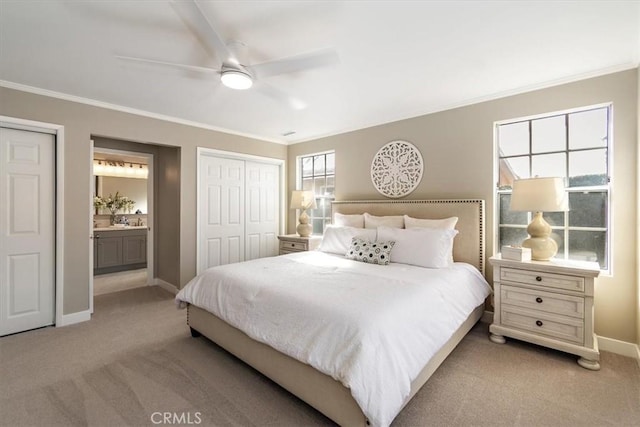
[169, 64]
[281, 97]
[292, 64]
[202, 27]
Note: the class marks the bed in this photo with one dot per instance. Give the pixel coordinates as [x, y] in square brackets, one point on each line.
[346, 405]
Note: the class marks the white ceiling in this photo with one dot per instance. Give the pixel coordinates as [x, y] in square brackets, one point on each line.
[396, 59]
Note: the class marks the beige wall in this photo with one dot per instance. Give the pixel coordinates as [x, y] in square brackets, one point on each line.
[81, 122]
[457, 148]
[167, 216]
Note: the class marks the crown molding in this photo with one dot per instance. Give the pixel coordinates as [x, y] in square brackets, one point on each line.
[95, 103]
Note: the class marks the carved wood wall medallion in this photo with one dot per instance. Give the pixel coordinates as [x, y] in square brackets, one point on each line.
[396, 169]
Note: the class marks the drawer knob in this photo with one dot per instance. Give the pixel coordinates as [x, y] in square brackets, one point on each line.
[538, 300]
[539, 322]
[538, 279]
[293, 244]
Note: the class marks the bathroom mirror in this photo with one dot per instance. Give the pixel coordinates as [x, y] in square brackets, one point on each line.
[135, 189]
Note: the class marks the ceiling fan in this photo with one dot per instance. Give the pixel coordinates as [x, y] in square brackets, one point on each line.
[234, 70]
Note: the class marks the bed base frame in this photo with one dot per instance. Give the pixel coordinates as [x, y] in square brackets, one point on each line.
[321, 391]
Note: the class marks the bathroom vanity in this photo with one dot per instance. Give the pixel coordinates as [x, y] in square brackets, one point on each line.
[119, 249]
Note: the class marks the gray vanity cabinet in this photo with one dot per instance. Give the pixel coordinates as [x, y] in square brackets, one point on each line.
[108, 250]
[119, 250]
[134, 249]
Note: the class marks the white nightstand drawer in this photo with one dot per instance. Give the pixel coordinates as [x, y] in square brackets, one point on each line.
[290, 243]
[547, 303]
[550, 280]
[534, 299]
[293, 246]
[563, 328]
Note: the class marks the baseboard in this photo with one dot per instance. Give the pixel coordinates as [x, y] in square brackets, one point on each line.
[487, 317]
[73, 318]
[622, 348]
[165, 285]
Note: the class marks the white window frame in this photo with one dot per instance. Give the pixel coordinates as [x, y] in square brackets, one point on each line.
[565, 228]
[327, 220]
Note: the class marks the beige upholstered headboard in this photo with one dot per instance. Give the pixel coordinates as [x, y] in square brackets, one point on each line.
[468, 246]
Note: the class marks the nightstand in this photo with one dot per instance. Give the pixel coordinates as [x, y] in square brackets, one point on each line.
[290, 243]
[549, 303]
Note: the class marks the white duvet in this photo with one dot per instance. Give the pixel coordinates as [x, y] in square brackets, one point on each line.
[371, 327]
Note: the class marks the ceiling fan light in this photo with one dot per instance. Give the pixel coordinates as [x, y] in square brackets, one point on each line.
[235, 79]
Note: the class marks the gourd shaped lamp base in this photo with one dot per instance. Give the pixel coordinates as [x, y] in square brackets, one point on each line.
[542, 246]
[304, 229]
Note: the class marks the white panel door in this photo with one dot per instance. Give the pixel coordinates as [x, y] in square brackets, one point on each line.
[262, 209]
[27, 230]
[221, 216]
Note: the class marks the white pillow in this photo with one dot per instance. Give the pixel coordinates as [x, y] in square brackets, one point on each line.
[342, 220]
[337, 240]
[371, 221]
[424, 247]
[446, 223]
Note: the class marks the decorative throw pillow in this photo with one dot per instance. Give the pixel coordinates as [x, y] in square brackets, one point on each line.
[342, 220]
[370, 252]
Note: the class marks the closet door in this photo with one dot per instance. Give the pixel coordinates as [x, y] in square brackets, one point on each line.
[239, 208]
[262, 219]
[27, 230]
[221, 216]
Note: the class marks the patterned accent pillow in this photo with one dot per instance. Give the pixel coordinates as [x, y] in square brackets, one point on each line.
[370, 252]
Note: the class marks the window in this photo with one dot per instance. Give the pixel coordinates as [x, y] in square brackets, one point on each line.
[574, 145]
[316, 172]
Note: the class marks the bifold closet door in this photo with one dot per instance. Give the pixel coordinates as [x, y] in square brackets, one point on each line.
[27, 230]
[262, 219]
[239, 209]
[221, 216]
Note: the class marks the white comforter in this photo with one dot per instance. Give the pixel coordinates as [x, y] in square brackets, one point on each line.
[371, 327]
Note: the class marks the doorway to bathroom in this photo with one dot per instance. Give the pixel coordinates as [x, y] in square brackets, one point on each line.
[122, 191]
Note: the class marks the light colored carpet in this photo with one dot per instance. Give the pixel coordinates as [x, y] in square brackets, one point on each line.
[120, 281]
[136, 357]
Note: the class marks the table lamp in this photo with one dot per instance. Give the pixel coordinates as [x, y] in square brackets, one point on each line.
[302, 199]
[539, 195]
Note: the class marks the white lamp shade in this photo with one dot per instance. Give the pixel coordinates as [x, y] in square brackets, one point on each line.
[302, 199]
[539, 195]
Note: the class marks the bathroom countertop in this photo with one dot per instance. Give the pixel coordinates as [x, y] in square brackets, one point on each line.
[131, 227]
